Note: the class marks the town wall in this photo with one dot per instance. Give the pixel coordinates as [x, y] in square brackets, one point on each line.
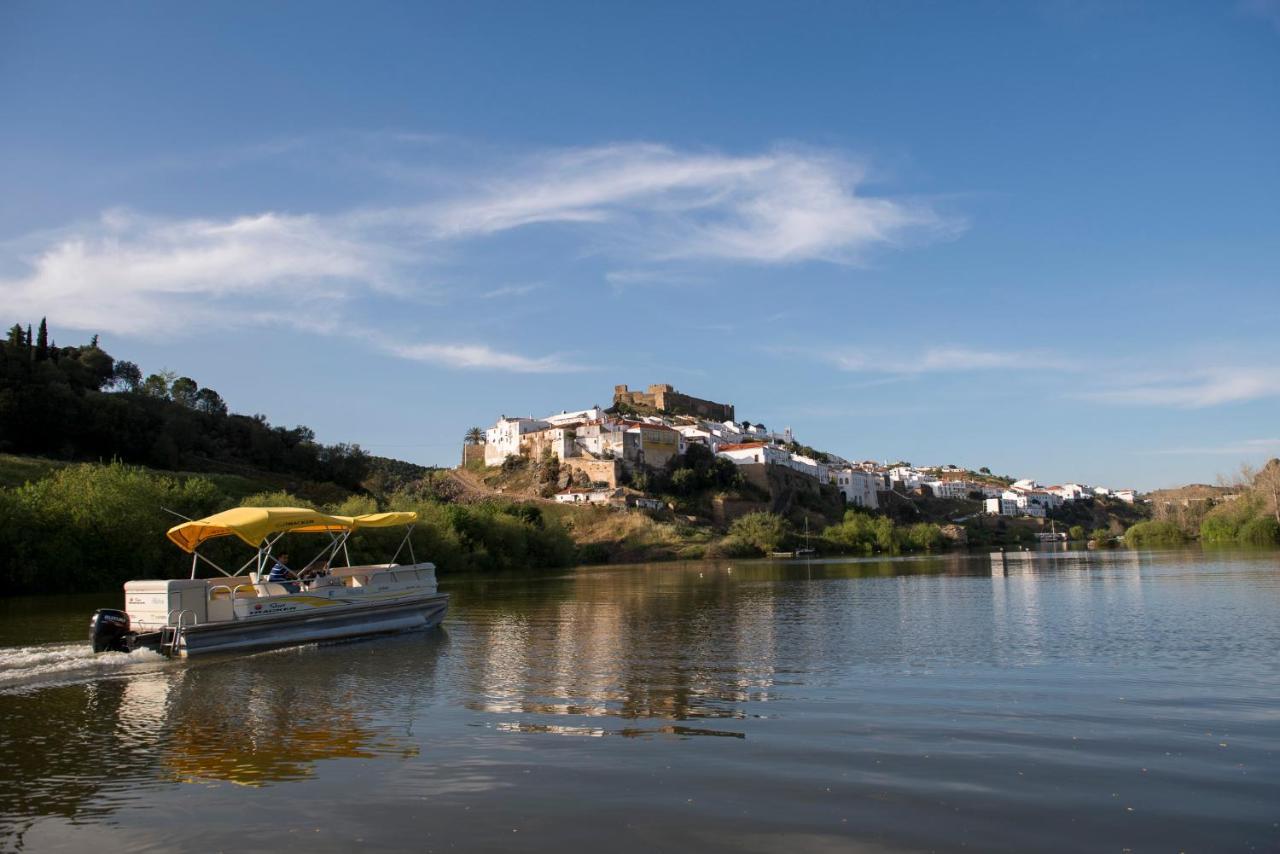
[602, 471]
[472, 454]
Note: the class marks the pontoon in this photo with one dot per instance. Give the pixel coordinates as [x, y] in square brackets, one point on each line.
[243, 609]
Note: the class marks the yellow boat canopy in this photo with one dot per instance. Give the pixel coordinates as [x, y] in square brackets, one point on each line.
[254, 524]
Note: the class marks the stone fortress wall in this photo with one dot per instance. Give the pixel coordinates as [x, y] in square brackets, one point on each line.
[664, 398]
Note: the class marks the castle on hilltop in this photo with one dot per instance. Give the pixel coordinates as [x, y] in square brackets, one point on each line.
[665, 399]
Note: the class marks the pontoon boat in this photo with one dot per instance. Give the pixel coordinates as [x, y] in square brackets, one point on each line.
[234, 611]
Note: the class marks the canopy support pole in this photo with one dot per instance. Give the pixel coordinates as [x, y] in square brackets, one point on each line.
[197, 556]
[401, 546]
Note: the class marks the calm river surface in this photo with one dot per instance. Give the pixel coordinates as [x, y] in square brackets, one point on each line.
[1062, 701]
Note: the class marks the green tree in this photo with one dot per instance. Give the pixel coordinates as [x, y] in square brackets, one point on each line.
[157, 385]
[42, 341]
[474, 436]
[1076, 533]
[126, 376]
[210, 402]
[764, 532]
[183, 391]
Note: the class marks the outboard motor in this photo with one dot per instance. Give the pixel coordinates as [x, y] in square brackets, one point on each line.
[109, 631]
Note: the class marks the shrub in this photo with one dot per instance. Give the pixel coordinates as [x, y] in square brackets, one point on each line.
[1076, 532]
[923, 536]
[91, 526]
[1219, 530]
[1261, 531]
[764, 532]
[1154, 534]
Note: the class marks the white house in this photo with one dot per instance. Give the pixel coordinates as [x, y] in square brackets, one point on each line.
[1069, 491]
[951, 488]
[584, 496]
[910, 478]
[503, 438]
[595, 413]
[859, 487]
[745, 453]
[1128, 496]
[809, 466]
[1001, 506]
[1018, 502]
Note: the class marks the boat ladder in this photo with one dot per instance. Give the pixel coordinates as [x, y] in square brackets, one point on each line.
[171, 634]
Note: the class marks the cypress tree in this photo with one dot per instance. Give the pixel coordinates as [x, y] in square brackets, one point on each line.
[42, 340]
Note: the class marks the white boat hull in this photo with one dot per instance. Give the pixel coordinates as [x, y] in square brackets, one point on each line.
[308, 626]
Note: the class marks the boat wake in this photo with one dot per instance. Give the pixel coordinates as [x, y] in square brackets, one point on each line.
[25, 667]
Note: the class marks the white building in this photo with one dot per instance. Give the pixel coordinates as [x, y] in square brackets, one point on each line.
[1128, 496]
[584, 496]
[910, 477]
[1068, 491]
[951, 488]
[595, 413]
[809, 466]
[503, 438]
[746, 453]
[1018, 503]
[1001, 506]
[859, 487]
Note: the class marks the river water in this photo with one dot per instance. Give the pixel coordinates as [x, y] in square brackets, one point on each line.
[1056, 701]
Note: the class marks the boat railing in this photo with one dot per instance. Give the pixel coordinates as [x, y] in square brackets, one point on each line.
[240, 587]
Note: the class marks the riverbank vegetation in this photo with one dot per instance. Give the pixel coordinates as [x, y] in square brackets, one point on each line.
[89, 526]
[1243, 510]
[1154, 534]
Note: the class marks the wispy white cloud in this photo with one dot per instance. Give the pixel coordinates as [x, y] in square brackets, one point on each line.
[1241, 448]
[653, 201]
[658, 212]
[482, 357]
[1196, 388]
[511, 291]
[131, 274]
[937, 360]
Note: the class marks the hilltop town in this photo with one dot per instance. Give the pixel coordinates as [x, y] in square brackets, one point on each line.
[662, 450]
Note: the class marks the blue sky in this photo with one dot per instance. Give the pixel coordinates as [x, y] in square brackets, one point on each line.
[1041, 237]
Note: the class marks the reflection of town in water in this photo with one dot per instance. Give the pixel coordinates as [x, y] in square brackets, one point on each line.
[690, 650]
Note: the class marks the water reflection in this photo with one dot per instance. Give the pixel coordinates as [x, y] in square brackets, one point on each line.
[82, 751]
[710, 642]
[1013, 702]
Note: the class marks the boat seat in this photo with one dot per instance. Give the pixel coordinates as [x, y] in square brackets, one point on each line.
[271, 588]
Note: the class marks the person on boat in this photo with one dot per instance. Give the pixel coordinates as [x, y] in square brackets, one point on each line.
[314, 570]
[283, 575]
